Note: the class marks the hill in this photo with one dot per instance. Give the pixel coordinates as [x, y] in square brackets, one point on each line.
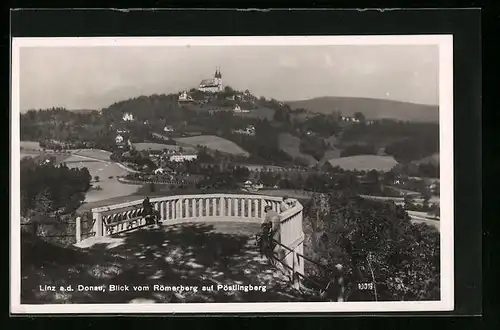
[365, 163]
[371, 108]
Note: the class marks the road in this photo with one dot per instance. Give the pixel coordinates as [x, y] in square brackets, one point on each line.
[422, 217]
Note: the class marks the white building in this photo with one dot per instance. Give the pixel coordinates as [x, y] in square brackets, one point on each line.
[128, 117]
[350, 119]
[238, 109]
[253, 186]
[212, 85]
[168, 129]
[185, 97]
[249, 130]
[181, 157]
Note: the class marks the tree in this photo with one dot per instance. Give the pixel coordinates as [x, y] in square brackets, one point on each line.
[41, 210]
[389, 177]
[96, 178]
[359, 116]
[426, 196]
[376, 242]
[435, 210]
[408, 200]
[373, 177]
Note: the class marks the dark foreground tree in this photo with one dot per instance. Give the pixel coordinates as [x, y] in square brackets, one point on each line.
[378, 245]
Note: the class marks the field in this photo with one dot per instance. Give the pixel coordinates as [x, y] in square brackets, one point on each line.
[29, 145]
[94, 153]
[290, 144]
[259, 113]
[59, 157]
[32, 154]
[213, 142]
[365, 163]
[104, 169]
[158, 146]
[29, 149]
[331, 154]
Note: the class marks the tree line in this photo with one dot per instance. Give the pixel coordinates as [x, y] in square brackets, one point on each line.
[52, 187]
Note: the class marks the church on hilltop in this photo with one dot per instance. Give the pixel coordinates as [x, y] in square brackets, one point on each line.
[212, 85]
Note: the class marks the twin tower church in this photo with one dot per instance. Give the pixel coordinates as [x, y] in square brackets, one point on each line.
[212, 85]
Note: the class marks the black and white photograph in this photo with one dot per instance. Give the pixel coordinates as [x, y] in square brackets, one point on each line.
[232, 174]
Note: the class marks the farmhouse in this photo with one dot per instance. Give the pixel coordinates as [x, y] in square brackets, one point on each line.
[184, 97]
[253, 186]
[350, 119]
[128, 117]
[249, 130]
[181, 157]
[162, 170]
[238, 109]
[212, 85]
[168, 129]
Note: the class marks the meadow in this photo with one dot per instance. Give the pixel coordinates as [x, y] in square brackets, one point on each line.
[159, 147]
[291, 145]
[94, 153]
[215, 143]
[365, 163]
[29, 145]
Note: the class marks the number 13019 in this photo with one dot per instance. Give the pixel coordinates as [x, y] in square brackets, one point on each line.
[365, 286]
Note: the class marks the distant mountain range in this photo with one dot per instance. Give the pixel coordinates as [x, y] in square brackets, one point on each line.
[371, 108]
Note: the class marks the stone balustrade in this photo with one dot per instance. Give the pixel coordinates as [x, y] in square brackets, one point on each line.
[119, 218]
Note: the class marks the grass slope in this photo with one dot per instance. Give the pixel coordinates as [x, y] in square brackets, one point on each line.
[365, 163]
[29, 145]
[371, 108]
[158, 146]
[213, 142]
[291, 145]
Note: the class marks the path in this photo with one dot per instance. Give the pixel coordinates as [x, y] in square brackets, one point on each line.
[422, 217]
[106, 161]
[191, 254]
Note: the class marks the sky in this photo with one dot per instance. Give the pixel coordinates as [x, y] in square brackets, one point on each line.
[96, 77]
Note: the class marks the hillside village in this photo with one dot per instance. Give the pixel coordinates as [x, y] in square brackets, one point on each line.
[235, 127]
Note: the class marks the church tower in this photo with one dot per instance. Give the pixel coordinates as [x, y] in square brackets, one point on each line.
[218, 79]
